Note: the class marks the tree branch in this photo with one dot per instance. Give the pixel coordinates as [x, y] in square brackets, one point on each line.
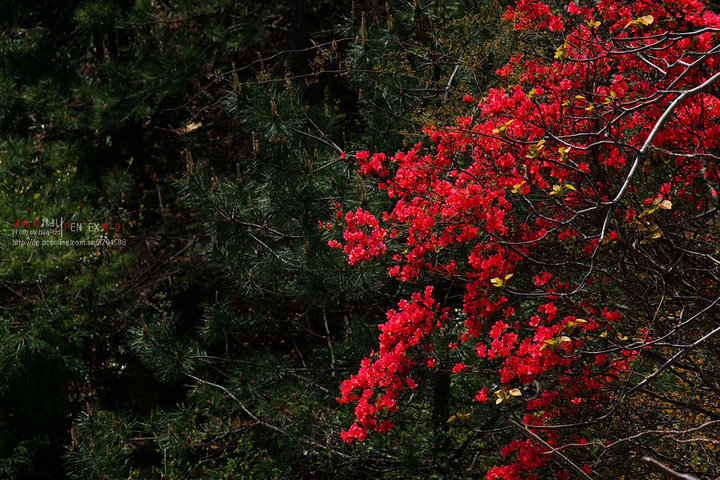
[667, 471]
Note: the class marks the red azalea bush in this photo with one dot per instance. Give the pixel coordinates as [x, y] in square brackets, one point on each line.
[577, 207]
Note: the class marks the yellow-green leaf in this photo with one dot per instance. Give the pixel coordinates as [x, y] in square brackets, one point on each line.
[644, 20]
[564, 153]
[501, 130]
[558, 190]
[534, 150]
[610, 98]
[517, 187]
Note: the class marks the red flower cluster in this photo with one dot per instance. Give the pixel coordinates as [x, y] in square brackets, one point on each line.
[517, 204]
[379, 382]
[363, 237]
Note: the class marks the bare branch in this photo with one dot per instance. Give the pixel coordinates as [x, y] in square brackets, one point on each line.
[667, 471]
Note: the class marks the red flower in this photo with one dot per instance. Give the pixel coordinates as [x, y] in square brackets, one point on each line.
[459, 367]
[482, 395]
